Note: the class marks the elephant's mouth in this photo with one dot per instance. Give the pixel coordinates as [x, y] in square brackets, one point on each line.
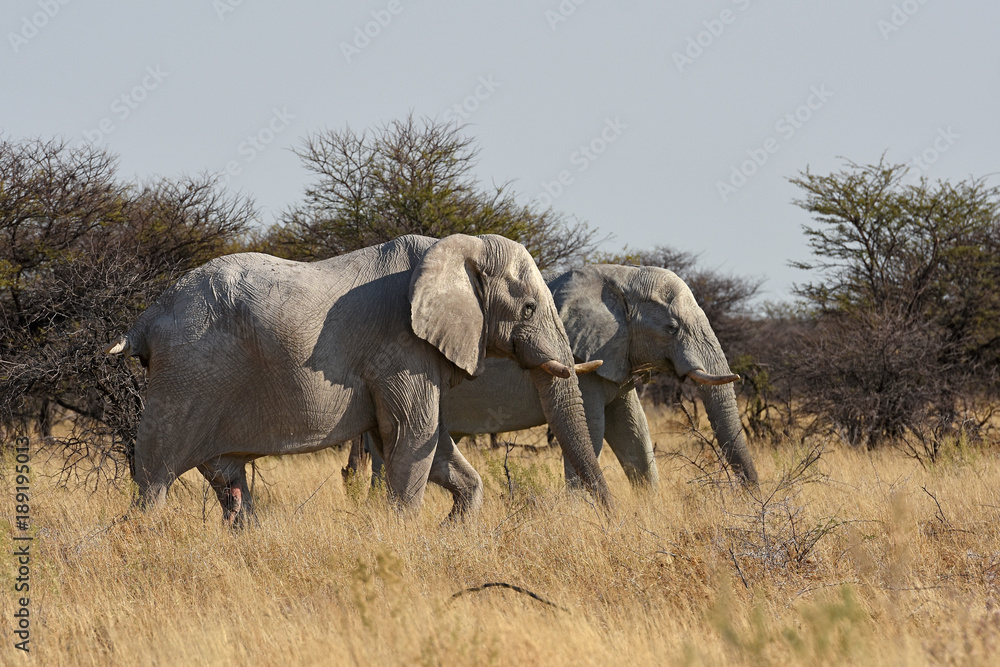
[529, 357]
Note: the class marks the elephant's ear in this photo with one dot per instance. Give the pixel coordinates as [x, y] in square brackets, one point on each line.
[594, 312]
[446, 301]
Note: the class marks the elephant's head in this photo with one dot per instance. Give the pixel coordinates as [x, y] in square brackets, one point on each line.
[479, 296]
[646, 318]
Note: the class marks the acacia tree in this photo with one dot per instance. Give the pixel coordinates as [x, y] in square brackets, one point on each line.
[82, 255]
[411, 177]
[905, 307]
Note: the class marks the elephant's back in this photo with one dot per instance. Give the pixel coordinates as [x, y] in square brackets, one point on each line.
[241, 295]
[401, 254]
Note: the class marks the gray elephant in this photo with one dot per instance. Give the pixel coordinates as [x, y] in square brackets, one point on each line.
[251, 355]
[634, 319]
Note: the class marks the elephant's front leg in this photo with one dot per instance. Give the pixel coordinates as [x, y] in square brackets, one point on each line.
[627, 433]
[453, 472]
[407, 410]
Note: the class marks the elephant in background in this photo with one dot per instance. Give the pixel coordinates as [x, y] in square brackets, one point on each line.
[251, 355]
[635, 319]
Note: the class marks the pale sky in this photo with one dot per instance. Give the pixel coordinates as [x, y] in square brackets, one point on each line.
[672, 123]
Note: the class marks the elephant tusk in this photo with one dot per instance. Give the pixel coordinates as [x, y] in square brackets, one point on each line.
[701, 377]
[588, 366]
[553, 367]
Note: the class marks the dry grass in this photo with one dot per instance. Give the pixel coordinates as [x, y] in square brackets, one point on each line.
[861, 559]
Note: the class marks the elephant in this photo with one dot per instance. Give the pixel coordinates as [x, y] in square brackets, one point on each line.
[251, 355]
[635, 319]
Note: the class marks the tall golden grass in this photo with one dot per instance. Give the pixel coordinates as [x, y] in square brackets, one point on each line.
[860, 559]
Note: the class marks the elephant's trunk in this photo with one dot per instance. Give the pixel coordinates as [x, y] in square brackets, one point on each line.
[563, 408]
[724, 415]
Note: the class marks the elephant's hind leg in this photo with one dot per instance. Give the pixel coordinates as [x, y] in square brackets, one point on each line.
[229, 481]
[453, 472]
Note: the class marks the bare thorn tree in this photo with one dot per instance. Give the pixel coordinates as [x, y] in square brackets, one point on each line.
[83, 254]
[411, 177]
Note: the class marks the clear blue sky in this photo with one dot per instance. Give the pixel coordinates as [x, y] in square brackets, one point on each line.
[647, 111]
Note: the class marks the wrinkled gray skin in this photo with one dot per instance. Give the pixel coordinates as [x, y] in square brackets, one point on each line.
[634, 319]
[251, 355]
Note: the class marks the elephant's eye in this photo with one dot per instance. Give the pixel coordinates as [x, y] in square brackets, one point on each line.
[527, 311]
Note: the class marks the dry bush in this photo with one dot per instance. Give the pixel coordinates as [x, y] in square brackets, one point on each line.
[81, 256]
[903, 302]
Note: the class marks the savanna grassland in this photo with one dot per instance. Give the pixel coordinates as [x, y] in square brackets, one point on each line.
[860, 558]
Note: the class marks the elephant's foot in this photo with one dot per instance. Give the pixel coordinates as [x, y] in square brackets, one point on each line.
[152, 495]
[232, 506]
[453, 472]
[467, 504]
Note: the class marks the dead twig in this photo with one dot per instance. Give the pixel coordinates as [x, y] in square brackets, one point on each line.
[100, 531]
[739, 570]
[506, 469]
[516, 589]
[311, 494]
[940, 512]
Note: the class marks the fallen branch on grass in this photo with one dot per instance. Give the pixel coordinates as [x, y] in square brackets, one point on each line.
[516, 589]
